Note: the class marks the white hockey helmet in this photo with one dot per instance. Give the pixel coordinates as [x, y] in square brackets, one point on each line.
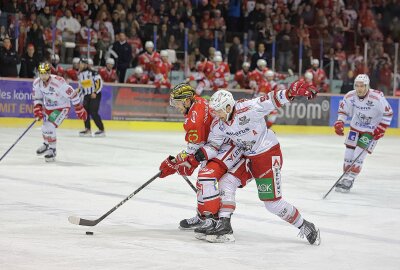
[246, 65]
[362, 78]
[217, 59]
[75, 60]
[217, 53]
[269, 73]
[110, 61]
[90, 61]
[149, 44]
[261, 63]
[138, 70]
[55, 58]
[315, 62]
[164, 53]
[308, 76]
[220, 100]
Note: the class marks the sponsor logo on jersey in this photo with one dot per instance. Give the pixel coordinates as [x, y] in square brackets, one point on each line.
[352, 135]
[238, 133]
[369, 103]
[243, 120]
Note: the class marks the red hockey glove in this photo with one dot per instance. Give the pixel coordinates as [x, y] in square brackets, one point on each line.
[38, 111]
[301, 88]
[183, 170]
[80, 112]
[168, 167]
[379, 131]
[339, 127]
[188, 161]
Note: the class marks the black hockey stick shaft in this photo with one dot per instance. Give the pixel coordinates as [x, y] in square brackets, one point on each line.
[20, 137]
[348, 169]
[190, 183]
[87, 222]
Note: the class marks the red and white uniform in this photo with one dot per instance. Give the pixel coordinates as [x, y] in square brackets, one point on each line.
[108, 75]
[257, 80]
[161, 73]
[319, 77]
[219, 77]
[147, 61]
[72, 74]
[203, 80]
[143, 79]
[243, 79]
[59, 70]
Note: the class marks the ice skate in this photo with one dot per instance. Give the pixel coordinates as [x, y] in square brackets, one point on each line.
[191, 223]
[310, 232]
[221, 233]
[42, 149]
[85, 133]
[200, 232]
[100, 133]
[50, 155]
[344, 185]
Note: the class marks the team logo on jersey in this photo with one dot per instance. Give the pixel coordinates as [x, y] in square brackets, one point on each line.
[352, 135]
[370, 103]
[243, 120]
[366, 120]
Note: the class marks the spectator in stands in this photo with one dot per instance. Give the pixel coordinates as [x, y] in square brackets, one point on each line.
[56, 68]
[108, 73]
[45, 18]
[234, 55]
[69, 26]
[35, 37]
[72, 73]
[172, 44]
[348, 83]
[285, 43]
[385, 79]
[138, 77]
[29, 63]
[163, 37]
[104, 17]
[85, 32]
[261, 54]
[8, 60]
[124, 52]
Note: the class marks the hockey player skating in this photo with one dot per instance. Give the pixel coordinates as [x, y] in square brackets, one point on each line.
[370, 115]
[243, 123]
[52, 97]
[197, 126]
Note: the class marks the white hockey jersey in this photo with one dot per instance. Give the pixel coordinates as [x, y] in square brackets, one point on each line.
[247, 127]
[56, 94]
[365, 113]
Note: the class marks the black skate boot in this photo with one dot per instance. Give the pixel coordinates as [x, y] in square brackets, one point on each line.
[209, 223]
[344, 185]
[42, 149]
[191, 223]
[50, 155]
[222, 232]
[85, 133]
[100, 133]
[310, 232]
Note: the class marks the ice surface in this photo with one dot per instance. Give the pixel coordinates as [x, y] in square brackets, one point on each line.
[359, 230]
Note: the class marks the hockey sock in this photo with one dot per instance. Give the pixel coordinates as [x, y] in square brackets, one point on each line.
[285, 211]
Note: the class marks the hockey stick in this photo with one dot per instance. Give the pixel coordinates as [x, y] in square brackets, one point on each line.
[348, 169]
[88, 222]
[190, 183]
[20, 137]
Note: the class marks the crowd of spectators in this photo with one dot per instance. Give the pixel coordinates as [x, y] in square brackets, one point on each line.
[243, 30]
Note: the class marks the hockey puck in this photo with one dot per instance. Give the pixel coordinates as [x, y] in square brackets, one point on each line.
[89, 233]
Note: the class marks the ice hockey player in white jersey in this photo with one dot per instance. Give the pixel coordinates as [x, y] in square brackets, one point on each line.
[52, 97]
[243, 122]
[370, 115]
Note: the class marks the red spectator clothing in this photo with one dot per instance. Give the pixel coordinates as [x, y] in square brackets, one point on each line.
[147, 60]
[136, 44]
[144, 79]
[72, 74]
[104, 35]
[218, 80]
[257, 78]
[208, 69]
[81, 8]
[319, 76]
[108, 75]
[57, 70]
[242, 78]
[161, 72]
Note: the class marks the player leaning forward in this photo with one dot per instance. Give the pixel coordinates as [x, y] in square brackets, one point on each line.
[243, 122]
[370, 115]
[52, 97]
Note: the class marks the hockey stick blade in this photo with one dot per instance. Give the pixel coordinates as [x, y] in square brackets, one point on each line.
[88, 222]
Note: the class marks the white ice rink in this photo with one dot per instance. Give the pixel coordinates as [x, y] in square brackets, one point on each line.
[360, 230]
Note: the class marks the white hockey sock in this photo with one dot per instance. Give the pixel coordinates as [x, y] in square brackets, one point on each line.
[285, 211]
[227, 186]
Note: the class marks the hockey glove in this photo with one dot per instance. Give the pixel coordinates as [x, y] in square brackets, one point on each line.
[188, 161]
[301, 88]
[339, 127]
[80, 112]
[38, 111]
[379, 131]
[168, 167]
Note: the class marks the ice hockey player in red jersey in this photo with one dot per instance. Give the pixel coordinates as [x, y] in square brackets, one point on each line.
[241, 79]
[162, 69]
[319, 76]
[138, 77]
[72, 73]
[108, 73]
[243, 123]
[370, 114]
[197, 126]
[220, 73]
[52, 98]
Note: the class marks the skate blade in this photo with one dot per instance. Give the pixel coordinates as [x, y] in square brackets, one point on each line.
[50, 159]
[342, 190]
[187, 229]
[99, 136]
[85, 135]
[200, 236]
[226, 238]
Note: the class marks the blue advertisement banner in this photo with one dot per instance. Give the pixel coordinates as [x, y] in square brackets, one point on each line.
[16, 99]
[394, 103]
